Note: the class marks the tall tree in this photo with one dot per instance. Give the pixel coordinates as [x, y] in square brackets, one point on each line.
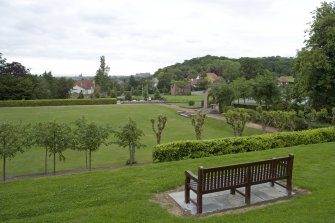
[161, 121]
[101, 77]
[242, 88]
[13, 139]
[89, 137]
[130, 136]
[223, 94]
[265, 89]
[250, 67]
[231, 70]
[316, 61]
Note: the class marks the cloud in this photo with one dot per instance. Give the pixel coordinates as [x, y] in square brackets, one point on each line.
[68, 37]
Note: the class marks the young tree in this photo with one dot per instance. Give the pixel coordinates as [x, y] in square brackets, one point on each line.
[55, 138]
[129, 136]
[333, 116]
[198, 121]
[237, 118]
[13, 139]
[161, 121]
[284, 120]
[265, 117]
[88, 137]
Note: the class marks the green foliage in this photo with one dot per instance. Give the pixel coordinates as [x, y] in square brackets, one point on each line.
[57, 102]
[316, 61]
[283, 120]
[161, 121]
[81, 95]
[130, 136]
[127, 96]
[188, 149]
[101, 77]
[198, 121]
[223, 94]
[237, 118]
[264, 117]
[191, 103]
[88, 137]
[265, 90]
[13, 139]
[242, 88]
[157, 95]
[55, 137]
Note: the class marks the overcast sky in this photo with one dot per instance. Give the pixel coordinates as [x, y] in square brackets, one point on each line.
[68, 37]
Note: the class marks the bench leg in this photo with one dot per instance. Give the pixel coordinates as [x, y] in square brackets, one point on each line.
[272, 183]
[199, 203]
[187, 194]
[247, 194]
[289, 186]
[232, 191]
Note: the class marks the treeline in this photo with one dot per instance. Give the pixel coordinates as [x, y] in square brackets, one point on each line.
[229, 69]
[16, 83]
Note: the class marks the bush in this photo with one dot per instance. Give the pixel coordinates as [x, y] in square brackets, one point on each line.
[191, 103]
[56, 102]
[190, 149]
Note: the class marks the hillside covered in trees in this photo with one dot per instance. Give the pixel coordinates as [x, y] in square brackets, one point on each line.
[229, 69]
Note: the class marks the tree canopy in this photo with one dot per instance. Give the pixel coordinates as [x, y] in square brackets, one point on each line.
[315, 62]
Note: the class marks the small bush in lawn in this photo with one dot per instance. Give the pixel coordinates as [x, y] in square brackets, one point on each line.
[191, 103]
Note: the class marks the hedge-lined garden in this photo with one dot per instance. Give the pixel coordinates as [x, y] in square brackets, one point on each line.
[56, 102]
[189, 149]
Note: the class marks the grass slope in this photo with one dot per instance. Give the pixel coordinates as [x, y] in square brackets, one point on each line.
[177, 128]
[123, 195]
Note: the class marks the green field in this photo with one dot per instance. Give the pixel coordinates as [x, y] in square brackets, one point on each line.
[123, 195]
[183, 98]
[177, 128]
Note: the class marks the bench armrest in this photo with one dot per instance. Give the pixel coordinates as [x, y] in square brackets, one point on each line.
[191, 175]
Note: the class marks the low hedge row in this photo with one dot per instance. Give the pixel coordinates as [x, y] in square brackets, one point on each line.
[57, 102]
[189, 149]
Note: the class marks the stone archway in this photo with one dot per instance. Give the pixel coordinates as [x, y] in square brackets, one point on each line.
[206, 98]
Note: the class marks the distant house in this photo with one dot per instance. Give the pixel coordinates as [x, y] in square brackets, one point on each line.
[211, 77]
[284, 80]
[87, 87]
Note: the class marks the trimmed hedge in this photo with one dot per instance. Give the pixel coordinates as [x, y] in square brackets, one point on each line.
[56, 102]
[190, 149]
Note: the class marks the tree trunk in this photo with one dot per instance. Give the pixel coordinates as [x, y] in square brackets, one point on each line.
[158, 136]
[46, 161]
[54, 163]
[90, 159]
[4, 169]
[133, 154]
[86, 158]
[238, 101]
[130, 156]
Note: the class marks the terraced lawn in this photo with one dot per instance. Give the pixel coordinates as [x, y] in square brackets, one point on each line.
[123, 195]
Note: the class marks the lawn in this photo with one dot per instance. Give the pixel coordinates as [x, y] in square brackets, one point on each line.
[123, 195]
[183, 98]
[177, 128]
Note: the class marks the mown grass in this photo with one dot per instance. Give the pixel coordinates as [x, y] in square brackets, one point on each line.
[183, 98]
[123, 195]
[177, 128]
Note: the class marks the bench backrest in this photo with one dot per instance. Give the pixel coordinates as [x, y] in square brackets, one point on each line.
[225, 177]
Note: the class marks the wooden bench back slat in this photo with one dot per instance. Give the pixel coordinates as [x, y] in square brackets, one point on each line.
[217, 178]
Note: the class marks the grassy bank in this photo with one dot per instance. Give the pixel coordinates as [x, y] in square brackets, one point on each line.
[123, 195]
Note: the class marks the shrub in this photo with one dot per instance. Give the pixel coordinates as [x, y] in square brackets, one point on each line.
[189, 149]
[191, 103]
[56, 102]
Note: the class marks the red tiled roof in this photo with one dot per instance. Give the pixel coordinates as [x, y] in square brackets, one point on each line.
[86, 84]
[212, 76]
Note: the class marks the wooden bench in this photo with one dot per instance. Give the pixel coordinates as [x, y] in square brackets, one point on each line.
[210, 180]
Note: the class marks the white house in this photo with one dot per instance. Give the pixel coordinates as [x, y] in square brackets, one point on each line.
[84, 86]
